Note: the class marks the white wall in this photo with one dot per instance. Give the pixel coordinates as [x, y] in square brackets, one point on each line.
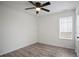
[18, 29]
[49, 30]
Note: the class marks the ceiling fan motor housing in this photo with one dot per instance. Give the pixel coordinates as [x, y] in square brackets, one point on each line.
[38, 4]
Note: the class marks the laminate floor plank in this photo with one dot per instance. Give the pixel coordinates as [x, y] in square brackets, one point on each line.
[41, 50]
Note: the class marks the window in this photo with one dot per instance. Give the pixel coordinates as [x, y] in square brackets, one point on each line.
[65, 27]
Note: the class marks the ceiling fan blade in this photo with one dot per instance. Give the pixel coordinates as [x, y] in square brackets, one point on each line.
[37, 12]
[45, 9]
[45, 4]
[32, 3]
[29, 8]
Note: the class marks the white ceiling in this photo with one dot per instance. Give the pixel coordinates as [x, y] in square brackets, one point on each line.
[56, 6]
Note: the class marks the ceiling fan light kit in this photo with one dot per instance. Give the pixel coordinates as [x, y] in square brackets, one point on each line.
[38, 9]
[38, 6]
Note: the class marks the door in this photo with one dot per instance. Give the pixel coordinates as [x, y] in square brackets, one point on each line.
[77, 32]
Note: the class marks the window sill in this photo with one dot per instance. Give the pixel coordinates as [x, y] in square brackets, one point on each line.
[66, 38]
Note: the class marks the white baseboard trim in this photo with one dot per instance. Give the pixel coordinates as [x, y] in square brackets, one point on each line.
[17, 48]
[54, 45]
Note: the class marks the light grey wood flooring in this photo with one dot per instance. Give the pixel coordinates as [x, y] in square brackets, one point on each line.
[41, 50]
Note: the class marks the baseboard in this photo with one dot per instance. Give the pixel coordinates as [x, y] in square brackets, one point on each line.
[53, 45]
[17, 48]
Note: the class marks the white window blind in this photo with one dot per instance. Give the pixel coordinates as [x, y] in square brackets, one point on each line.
[66, 27]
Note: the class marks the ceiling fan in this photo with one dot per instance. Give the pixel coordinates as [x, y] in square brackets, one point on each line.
[38, 6]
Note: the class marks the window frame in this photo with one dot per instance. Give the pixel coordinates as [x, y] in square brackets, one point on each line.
[72, 28]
